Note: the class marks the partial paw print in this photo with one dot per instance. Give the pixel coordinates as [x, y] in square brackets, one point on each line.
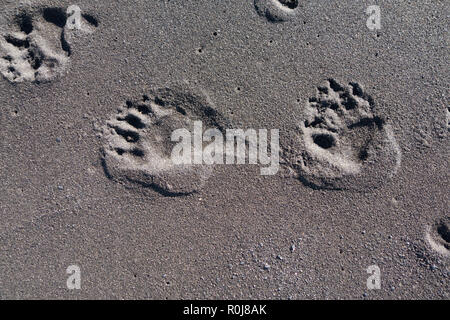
[276, 10]
[438, 236]
[138, 144]
[448, 118]
[342, 143]
[34, 44]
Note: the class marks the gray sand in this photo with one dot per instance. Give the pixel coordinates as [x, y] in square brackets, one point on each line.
[366, 183]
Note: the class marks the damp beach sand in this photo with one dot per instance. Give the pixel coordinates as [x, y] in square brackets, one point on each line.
[90, 96]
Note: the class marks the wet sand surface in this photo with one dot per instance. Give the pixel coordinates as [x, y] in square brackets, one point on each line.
[363, 121]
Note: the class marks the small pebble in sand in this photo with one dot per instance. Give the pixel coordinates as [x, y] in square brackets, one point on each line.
[266, 267]
[292, 248]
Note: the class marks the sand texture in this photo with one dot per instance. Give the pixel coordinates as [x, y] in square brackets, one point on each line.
[92, 91]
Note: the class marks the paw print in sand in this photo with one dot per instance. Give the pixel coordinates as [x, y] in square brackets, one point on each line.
[138, 146]
[342, 144]
[34, 43]
[276, 11]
